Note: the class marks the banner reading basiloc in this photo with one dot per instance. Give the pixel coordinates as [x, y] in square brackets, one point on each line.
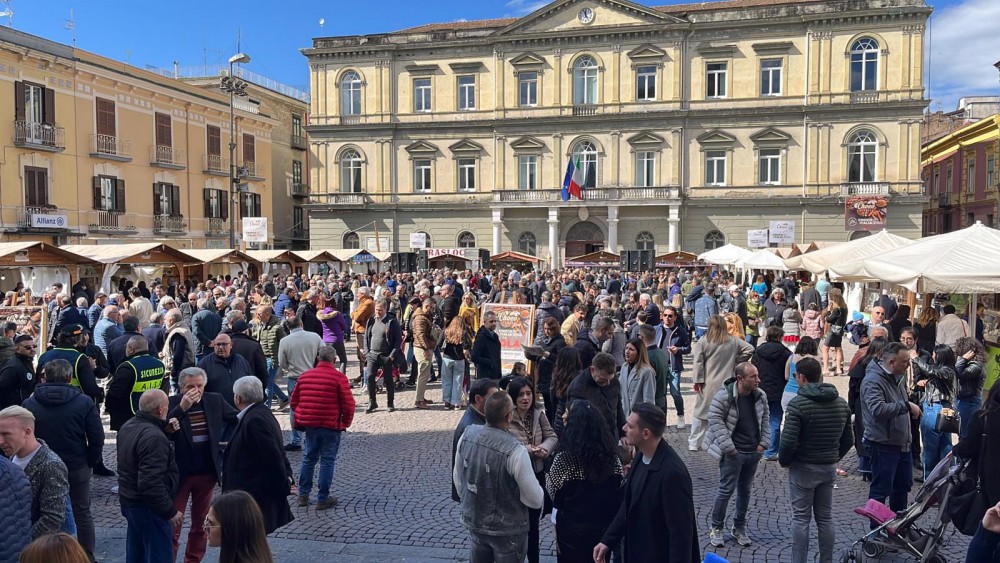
[514, 325]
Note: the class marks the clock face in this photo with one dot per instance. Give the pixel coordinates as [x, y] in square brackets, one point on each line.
[586, 15]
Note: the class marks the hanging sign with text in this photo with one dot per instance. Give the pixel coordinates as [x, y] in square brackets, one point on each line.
[865, 213]
[782, 232]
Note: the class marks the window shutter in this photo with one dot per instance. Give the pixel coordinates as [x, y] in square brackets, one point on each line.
[243, 205]
[175, 201]
[224, 207]
[49, 106]
[256, 205]
[157, 188]
[19, 101]
[97, 192]
[208, 203]
[119, 194]
[249, 148]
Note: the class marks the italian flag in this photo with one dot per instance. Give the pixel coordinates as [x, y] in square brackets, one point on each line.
[575, 178]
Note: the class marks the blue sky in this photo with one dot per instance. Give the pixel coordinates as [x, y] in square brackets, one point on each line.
[964, 42]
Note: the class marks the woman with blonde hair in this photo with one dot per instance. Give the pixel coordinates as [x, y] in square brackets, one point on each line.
[470, 312]
[835, 317]
[734, 325]
[715, 359]
[457, 346]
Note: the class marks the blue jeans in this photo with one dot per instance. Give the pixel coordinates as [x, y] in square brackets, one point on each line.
[699, 332]
[752, 340]
[452, 374]
[69, 524]
[322, 445]
[935, 446]
[272, 387]
[149, 538]
[775, 413]
[967, 408]
[296, 438]
[892, 474]
[675, 392]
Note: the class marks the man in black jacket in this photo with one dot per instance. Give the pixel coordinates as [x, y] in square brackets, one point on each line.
[69, 423]
[307, 313]
[223, 368]
[249, 349]
[596, 384]
[656, 521]
[486, 349]
[139, 372]
[202, 418]
[205, 325]
[589, 341]
[147, 481]
[17, 376]
[116, 348]
[67, 314]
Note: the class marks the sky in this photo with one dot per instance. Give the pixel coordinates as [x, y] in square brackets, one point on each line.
[963, 38]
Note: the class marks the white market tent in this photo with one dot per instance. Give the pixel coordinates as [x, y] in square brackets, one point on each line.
[762, 260]
[819, 261]
[147, 259]
[965, 261]
[725, 255]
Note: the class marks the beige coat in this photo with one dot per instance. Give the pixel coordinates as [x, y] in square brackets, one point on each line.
[543, 436]
[713, 365]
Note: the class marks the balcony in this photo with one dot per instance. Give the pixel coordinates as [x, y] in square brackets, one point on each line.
[169, 225]
[754, 194]
[252, 170]
[216, 165]
[869, 97]
[216, 227]
[638, 196]
[300, 190]
[341, 199]
[42, 218]
[865, 188]
[299, 142]
[167, 157]
[39, 136]
[111, 148]
[351, 119]
[112, 222]
[300, 233]
[944, 200]
[585, 110]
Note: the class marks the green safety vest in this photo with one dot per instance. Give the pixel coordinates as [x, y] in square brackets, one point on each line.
[71, 355]
[149, 374]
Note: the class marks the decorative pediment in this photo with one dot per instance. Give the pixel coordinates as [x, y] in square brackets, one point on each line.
[467, 67]
[527, 60]
[527, 144]
[771, 136]
[717, 138]
[773, 48]
[422, 70]
[647, 53]
[466, 147]
[565, 15]
[716, 50]
[421, 149]
[646, 138]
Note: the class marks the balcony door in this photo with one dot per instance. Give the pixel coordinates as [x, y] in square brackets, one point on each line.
[36, 187]
[34, 111]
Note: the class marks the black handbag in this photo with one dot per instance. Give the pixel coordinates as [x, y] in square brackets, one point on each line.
[969, 504]
[948, 421]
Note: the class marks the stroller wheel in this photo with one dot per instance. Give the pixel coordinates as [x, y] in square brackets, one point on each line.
[872, 549]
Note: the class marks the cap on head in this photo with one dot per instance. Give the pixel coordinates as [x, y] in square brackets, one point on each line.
[73, 330]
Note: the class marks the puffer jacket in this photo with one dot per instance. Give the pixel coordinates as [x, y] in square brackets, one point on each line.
[724, 413]
[334, 325]
[69, 423]
[15, 511]
[322, 399]
[423, 328]
[817, 427]
[971, 378]
[770, 359]
[269, 335]
[812, 324]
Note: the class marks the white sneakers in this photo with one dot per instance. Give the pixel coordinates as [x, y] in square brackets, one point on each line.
[680, 423]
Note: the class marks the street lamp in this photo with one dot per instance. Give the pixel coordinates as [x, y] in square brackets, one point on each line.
[234, 87]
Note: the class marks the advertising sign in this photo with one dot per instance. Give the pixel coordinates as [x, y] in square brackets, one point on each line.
[782, 232]
[514, 326]
[255, 229]
[418, 240]
[865, 213]
[31, 320]
[757, 238]
[380, 244]
[48, 221]
[439, 252]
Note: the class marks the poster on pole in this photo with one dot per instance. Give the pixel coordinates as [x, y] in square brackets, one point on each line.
[782, 232]
[255, 229]
[514, 326]
[31, 320]
[418, 240]
[757, 238]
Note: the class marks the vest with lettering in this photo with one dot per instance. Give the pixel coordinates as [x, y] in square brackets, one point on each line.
[149, 374]
[70, 355]
[491, 501]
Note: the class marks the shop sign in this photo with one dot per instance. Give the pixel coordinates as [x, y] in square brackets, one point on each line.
[377, 244]
[255, 229]
[782, 232]
[865, 213]
[48, 221]
[439, 252]
[757, 238]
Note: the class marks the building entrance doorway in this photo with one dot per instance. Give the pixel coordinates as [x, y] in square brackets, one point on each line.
[584, 238]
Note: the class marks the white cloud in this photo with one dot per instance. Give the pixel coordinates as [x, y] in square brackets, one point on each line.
[963, 47]
[524, 7]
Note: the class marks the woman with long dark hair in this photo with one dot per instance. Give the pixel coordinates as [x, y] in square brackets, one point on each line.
[835, 316]
[937, 378]
[970, 367]
[567, 367]
[236, 525]
[857, 374]
[584, 482]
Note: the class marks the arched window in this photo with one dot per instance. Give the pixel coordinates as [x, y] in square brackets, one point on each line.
[585, 152]
[350, 172]
[645, 241]
[350, 93]
[466, 240]
[864, 65]
[527, 244]
[352, 241]
[862, 151]
[585, 81]
[714, 239]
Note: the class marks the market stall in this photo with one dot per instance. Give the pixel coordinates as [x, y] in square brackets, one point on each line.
[219, 263]
[364, 261]
[516, 260]
[317, 261]
[822, 259]
[275, 262]
[599, 259]
[133, 262]
[37, 265]
[724, 255]
[678, 259]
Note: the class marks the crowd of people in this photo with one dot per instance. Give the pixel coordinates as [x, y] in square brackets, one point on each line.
[190, 377]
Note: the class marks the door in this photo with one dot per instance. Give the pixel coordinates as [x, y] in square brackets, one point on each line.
[583, 238]
[106, 141]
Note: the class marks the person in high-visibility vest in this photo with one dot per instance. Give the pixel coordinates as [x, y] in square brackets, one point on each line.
[69, 339]
[139, 373]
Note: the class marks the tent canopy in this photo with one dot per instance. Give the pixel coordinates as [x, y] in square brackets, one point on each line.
[824, 259]
[35, 253]
[511, 256]
[965, 261]
[763, 259]
[600, 258]
[217, 255]
[272, 256]
[315, 256]
[141, 253]
[724, 255]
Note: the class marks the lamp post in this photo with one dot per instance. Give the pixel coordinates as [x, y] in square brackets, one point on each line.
[234, 87]
[997, 155]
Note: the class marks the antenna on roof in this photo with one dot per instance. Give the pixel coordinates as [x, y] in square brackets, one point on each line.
[71, 26]
[8, 13]
[322, 23]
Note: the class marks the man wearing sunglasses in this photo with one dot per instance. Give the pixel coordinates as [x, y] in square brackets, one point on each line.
[17, 376]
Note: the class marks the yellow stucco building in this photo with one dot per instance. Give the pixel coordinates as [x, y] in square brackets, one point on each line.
[694, 124]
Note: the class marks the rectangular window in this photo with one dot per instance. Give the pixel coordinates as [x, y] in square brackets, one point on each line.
[715, 168]
[216, 204]
[297, 126]
[645, 169]
[936, 186]
[214, 135]
[422, 175]
[296, 172]
[36, 186]
[250, 205]
[970, 219]
[166, 199]
[990, 172]
[970, 178]
[645, 80]
[466, 174]
[989, 220]
[163, 136]
[422, 95]
[105, 117]
[466, 93]
[770, 77]
[107, 196]
[527, 88]
[298, 222]
[527, 172]
[249, 149]
[716, 80]
[769, 166]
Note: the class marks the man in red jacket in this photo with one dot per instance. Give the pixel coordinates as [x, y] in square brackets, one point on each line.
[324, 408]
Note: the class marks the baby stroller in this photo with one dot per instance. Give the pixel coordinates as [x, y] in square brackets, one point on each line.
[380, 380]
[900, 531]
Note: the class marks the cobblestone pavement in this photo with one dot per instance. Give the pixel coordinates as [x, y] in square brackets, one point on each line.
[392, 478]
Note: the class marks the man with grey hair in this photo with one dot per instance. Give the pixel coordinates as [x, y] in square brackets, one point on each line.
[224, 367]
[147, 481]
[307, 312]
[178, 346]
[155, 333]
[254, 461]
[108, 328]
